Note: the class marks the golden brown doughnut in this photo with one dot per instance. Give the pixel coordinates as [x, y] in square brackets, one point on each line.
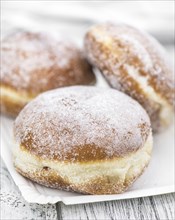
[86, 139]
[35, 62]
[135, 63]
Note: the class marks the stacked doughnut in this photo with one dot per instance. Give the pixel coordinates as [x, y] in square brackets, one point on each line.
[36, 62]
[136, 64]
[82, 138]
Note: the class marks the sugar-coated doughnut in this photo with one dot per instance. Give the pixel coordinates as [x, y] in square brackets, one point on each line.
[135, 63]
[35, 62]
[85, 139]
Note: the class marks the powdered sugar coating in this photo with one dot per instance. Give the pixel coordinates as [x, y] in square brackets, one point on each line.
[36, 62]
[111, 47]
[82, 124]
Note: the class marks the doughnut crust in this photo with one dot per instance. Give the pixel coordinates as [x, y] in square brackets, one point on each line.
[135, 63]
[84, 139]
[32, 63]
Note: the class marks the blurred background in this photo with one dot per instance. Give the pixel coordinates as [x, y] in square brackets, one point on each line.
[71, 19]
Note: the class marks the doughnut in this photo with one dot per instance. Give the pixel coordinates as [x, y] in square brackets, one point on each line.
[81, 138]
[135, 63]
[34, 62]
